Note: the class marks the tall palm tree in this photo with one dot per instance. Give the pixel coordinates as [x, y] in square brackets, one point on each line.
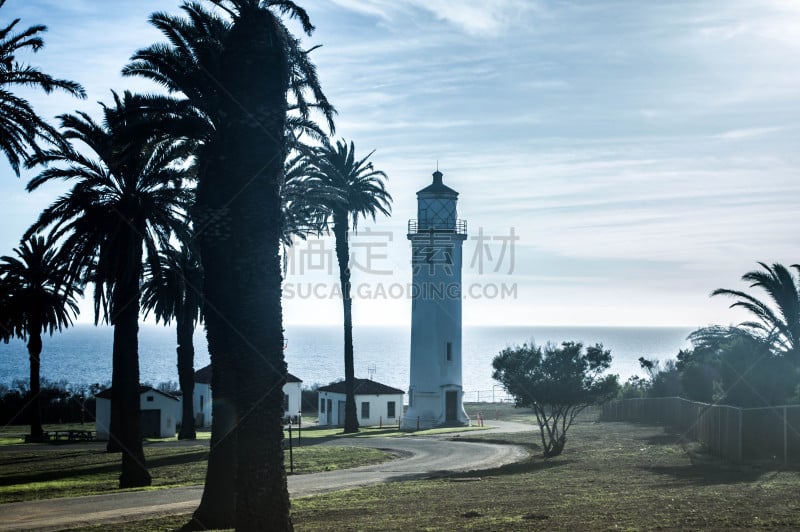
[777, 322]
[130, 198]
[36, 298]
[236, 75]
[171, 290]
[360, 192]
[21, 129]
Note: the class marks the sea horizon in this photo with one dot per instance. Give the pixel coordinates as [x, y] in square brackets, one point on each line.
[82, 354]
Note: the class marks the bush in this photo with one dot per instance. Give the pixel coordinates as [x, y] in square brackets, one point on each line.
[61, 403]
[557, 383]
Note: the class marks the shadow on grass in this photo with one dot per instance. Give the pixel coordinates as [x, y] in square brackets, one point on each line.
[707, 475]
[668, 438]
[532, 464]
[112, 466]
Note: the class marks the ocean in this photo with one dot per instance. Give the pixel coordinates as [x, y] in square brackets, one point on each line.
[82, 354]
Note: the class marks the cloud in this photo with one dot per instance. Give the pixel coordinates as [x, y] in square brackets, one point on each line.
[474, 17]
[739, 134]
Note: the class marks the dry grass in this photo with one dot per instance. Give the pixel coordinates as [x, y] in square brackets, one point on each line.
[29, 472]
[612, 476]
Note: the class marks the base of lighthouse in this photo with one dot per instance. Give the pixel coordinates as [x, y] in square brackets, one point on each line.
[441, 408]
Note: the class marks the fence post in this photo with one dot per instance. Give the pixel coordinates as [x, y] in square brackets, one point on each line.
[741, 443]
[785, 437]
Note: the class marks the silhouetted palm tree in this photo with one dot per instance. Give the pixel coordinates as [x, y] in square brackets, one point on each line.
[171, 290]
[36, 298]
[237, 76]
[777, 322]
[128, 199]
[360, 191]
[21, 128]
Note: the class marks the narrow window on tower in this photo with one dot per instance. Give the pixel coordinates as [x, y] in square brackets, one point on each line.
[449, 351]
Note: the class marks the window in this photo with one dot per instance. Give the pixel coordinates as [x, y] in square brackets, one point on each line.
[390, 409]
[286, 402]
[365, 410]
[201, 403]
[449, 351]
[322, 405]
[150, 399]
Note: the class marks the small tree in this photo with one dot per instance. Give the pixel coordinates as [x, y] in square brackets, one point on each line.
[557, 383]
[664, 381]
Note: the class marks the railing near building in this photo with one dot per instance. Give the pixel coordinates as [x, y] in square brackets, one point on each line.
[459, 229]
[734, 433]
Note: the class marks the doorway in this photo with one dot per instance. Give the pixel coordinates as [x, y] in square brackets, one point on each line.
[150, 423]
[341, 414]
[451, 406]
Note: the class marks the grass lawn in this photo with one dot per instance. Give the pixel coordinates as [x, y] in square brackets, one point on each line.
[612, 476]
[13, 434]
[42, 471]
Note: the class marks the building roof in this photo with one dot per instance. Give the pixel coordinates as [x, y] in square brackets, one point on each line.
[203, 376]
[437, 188]
[362, 387]
[143, 388]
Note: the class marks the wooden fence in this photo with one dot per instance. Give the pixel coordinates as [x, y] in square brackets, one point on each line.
[734, 433]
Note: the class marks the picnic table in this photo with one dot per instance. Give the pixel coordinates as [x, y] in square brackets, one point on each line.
[70, 435]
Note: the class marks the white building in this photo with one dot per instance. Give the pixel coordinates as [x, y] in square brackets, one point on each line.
[376, 403]
[292, 397]
[161, 412]
[435, 395]
[202, 397]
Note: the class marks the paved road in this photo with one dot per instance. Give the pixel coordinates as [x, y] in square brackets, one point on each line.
[421, 457]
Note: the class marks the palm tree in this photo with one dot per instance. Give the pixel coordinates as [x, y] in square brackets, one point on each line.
[236, 75]
[36, 298]
[360, 192]
[21, 129]
[128, 199]
[172, 290]
[777, 322]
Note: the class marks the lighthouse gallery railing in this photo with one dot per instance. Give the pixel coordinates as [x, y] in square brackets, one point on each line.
[460, 228]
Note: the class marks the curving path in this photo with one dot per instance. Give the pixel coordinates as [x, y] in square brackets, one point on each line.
[420, 458]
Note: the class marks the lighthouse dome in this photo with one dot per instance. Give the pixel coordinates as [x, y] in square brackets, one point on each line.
[436, 205]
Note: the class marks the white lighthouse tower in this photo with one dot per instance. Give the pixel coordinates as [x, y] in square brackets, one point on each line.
[435, 395]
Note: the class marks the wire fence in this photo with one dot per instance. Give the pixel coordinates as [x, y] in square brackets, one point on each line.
[734, 433]
[495, 395]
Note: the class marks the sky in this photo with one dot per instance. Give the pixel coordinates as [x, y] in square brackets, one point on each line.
[616, 160]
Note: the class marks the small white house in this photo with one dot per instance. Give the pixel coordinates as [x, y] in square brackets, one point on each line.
[160, 413]
[376, 403]
[202, 397]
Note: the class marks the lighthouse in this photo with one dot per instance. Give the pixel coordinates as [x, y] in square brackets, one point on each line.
[435, 395]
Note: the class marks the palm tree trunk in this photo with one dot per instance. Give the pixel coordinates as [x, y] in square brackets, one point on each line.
[255, 72]
[35, 402]
[340, 228]
[114, 444]
[125, 389]
[185, 331]
[218, 505]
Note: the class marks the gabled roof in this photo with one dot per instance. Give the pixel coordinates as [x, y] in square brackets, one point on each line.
[106, 394]
[203, 376]
[362, 387]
